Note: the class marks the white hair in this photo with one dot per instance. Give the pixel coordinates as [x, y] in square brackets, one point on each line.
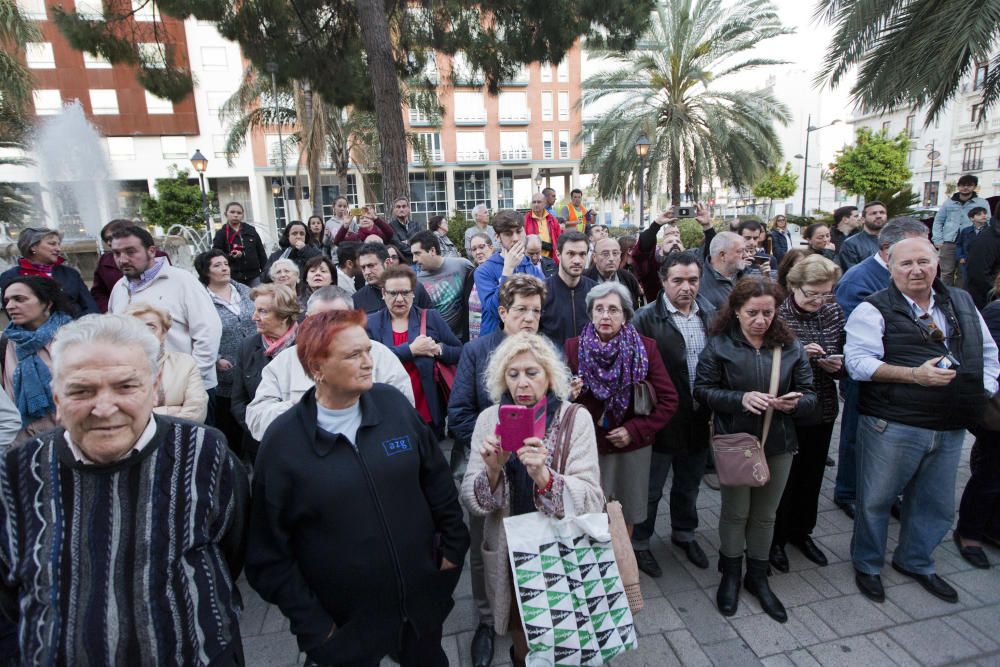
[116, 330]
[604, 289]
[546, 355]
[479, 208]
[329, 294]
[283, 262]
[724, 241]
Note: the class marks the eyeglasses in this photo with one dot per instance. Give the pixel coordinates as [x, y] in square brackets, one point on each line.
[400, 294]
[610, 311]
[816, 296]
[607, 254]
[934, 331]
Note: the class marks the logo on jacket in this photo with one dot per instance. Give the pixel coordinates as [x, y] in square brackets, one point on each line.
[397, 446]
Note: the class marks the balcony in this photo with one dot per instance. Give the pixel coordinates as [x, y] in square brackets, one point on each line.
[515, 116]
[521, 78]
[477, 117]
[436, 156]
[418, 119]
[972, 165]
[478, 155]
[515, 154]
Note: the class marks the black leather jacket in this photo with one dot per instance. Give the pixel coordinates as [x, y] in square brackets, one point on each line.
[729, 366]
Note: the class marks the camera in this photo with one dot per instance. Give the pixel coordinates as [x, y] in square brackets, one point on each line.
[684, 211]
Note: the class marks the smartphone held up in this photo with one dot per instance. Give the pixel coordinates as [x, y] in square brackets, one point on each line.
[520, 422]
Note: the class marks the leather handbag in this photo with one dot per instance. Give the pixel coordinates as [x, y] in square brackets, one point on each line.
[739, 457]
[621, 543]
[643, 398]
[444, 374]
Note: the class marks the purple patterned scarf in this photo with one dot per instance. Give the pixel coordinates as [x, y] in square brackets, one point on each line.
[610, 370]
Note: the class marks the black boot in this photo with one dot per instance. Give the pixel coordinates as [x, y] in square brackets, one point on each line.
[728, 596]
[756, 584]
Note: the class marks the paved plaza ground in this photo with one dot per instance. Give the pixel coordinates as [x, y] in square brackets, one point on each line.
[830, 622]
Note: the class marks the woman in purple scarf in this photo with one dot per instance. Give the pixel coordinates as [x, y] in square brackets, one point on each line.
[608, 360]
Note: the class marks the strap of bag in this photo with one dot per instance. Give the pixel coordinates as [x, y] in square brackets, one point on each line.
[773, 389]
[561, 454]
[423, 322]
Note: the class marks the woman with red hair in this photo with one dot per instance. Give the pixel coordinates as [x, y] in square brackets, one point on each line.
[355, 528]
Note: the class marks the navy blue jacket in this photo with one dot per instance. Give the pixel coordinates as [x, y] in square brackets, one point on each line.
[380, 329]
[470, 396]
[564, 313]
[860, 282]
[70, 281]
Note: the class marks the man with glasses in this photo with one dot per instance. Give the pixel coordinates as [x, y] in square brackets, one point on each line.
[533, 251]
[925, 361]
[606, 267]
[372, 261]
[540, 222]
[520, 310]
[492, 273]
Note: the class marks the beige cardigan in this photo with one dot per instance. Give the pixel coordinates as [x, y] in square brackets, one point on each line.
[184, 392]
[582, 480]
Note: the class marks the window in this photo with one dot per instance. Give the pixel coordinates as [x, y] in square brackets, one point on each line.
[275, 150]
[911, 126]
[214, 57]
[104, 101]
[563, 144]
[469, 108]
[145, 10]
[563, 105]
[219, 145]
[930, 193]
[432, 145]
[121, 148]
[977, 109]
[331, 190]
[886, 125]
[158, 105]
[979, 76]
[547, 105]
[39, 55]
[419, 116]
[461, 70]
[90, 9]
[215, 100]
[505, 188]
[173, 147]
[32, 9]
[514, 146]
[152, 55]
[471, 147]
[47, 102]
[547, 145]
[562, 70]
[428, 196]
[92, 61]
[514, 108]
[471, 188]
[972, 156]
[546, 71]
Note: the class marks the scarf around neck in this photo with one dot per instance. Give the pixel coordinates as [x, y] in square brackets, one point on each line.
[610, 370]
[32, 379]
[28, 268]
[273, 346]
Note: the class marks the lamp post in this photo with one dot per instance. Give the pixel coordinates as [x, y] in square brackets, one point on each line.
[932, 155]
[642, 150]
[272, 67]
[200, 164]
[810, 128]
[538, 182]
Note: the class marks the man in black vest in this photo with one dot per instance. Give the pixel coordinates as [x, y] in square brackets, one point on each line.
[925, 362]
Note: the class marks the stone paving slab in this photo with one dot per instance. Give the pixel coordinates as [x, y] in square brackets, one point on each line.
[830, 623]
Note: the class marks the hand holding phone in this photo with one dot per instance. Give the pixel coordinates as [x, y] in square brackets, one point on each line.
[519, 423]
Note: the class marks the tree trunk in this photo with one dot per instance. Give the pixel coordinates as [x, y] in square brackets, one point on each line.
[374, 26]
[675, 176]
[311, 143]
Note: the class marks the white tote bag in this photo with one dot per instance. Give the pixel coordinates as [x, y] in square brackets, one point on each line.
[570, 594]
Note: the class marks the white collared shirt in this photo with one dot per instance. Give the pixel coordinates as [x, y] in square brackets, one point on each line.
[140, 444]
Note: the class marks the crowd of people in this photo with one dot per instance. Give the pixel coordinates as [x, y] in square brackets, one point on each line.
[280, 415]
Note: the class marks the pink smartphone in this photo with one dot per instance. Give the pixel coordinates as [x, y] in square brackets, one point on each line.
[518, 423]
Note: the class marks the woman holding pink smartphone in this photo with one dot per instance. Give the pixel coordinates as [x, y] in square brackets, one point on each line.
[517, 466]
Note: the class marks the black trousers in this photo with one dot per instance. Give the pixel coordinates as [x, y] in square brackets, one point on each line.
[225, 422]
[414, 651]
[799, 505]
[979, 512]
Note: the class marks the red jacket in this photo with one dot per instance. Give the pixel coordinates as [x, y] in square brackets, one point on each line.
[642, 428]
[555, 229]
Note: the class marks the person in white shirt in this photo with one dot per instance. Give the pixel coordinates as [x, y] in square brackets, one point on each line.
[283, 382]
[146, 278]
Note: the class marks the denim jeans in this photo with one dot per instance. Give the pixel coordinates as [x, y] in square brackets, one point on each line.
[688, 470]
[921, 465]
[846, 488]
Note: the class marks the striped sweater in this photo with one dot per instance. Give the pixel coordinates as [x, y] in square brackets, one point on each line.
[129, 563]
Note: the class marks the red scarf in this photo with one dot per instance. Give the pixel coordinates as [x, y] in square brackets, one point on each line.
[273, 347]
[29, 268]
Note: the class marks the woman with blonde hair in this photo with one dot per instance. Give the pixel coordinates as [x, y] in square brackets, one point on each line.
[181, 392]
[524, 370]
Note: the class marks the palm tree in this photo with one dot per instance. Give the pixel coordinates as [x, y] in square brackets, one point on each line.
[911, 52]
[668, 89]
[15, 29]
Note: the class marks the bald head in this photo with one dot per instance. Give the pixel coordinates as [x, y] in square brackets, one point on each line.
[607, 256]
[910, 245]
[913, 264]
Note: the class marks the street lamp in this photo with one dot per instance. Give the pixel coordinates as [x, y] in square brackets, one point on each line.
[275, 187]
[272, 68]
[538, 182]
[810, 128]
[932, 155]
[200, 164]
[642, 150]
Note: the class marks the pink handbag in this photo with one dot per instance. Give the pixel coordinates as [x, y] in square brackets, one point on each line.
[739, 457]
